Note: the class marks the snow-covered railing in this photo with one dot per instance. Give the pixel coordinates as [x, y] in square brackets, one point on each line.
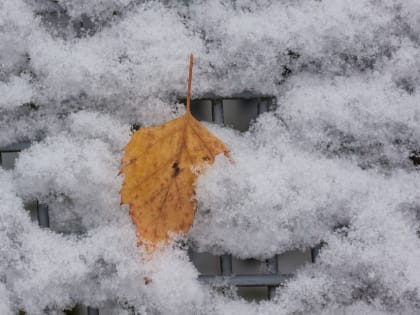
[210, 107]
[218, 110]
[270, 280]
[41, 208]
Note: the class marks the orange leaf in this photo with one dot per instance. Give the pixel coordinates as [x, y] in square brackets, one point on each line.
[159, 179]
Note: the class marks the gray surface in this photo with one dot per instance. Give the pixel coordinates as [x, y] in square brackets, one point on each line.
[32, 207]
[272, 266]
[77, 310]
[263, 106]
[290, 261]
[8, 160]
[43, 216]
[238, 114]
[247, 280]
[218, 115]
[226, 264]
[256, 294]
[202, 110]
[206, 263]
[92, 311]
[248, 266]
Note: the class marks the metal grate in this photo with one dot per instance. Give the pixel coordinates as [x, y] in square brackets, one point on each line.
[270, 280]
[238, 111]
[254, 280]
[38, 211]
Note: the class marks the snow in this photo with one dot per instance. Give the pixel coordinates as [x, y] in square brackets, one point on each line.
[16, 92]
[331, 164]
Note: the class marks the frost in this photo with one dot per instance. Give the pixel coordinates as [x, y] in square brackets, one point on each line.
[281, 197]
[337, 162]
[76, 8]
[360, 125]
[73, 179]
[15, 93]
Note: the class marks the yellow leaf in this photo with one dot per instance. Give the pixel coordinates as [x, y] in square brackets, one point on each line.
[159, 178]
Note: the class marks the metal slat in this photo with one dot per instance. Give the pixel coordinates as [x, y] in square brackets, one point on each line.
[273, 279]
[92, 311]
[315, 252]
[272, 104]
[217, 111]
[247, 280]
[273, 268]
[15, 147]
[226, 264]
[263, 105]
[43, 216]
[244, 95]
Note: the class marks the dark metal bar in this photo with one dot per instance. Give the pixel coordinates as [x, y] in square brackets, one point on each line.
[263, 105]
[92, 311]
[43, 216]
[15, 147]
[272, 104]
[273, 268]
[217, 111]
[213, 97]
[315, 251]
[226, 264]
[247, 280]
[272, 265]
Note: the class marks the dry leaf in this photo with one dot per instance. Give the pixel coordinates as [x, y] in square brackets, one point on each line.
[159, 180]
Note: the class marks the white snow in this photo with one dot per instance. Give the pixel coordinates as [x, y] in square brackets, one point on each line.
[331, 164]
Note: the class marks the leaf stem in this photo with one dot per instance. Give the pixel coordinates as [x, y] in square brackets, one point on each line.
[189, 84]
